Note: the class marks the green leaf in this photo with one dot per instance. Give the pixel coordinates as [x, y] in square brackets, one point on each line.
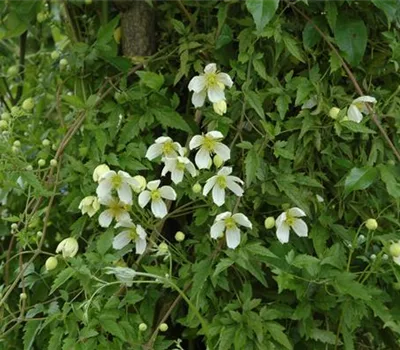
[75, 101]
[62, 277]
[225, 37]
[30, 330]
[356, 127]
[311, 36]
[262, 12]
[323, 336]
[104, 243]
[152, 80]
[277, 333]
[112, 327]
[106, 32]
[252, 163]
[222, 266]
[167, 117]
[391, 8]
[359, 179]
[351, 37]
[254, 100]
[30, 178]
[345, 284]
[389, 176]
[55, 340]
[293, 48]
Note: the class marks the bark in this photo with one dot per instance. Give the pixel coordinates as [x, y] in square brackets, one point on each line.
[137, 27]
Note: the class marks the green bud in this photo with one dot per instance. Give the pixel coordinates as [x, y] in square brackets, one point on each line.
[163, 248]
[28, 104]
[269, 222]
[41, 162]
[334, 112]
[12, 71]
[395, 249]
[3, 124]
[51, 263]
[29, 168]
[371, 224]
[41, 16]
[46, 142]
[53, 163]
[17, 143]
[179, 236]
[14, 226]
[163, 327]
[143, 327]
[196, 188]
[5, 116]
[218, 161]
[63, 63]
[23, 296]
[55, 55]
[15, 149]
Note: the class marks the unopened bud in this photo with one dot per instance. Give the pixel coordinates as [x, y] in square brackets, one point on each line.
[142, 183]
[46, 142]
[333, 112]
[55, 55]
[23, 296]
[5, 116]
[99, 171]
[395, 249]
[17, 143]
[269, 222]
[63, 63]
[179, 236]
[53, 162]
[41, 162]
[373, 257]
[29, 168]
[163, 327]
[371, 224]
[218, 161]
[28, 104]
[385, 257]
[142, 327]
[163, 248]
[51, 263]
[14, 226]
[3, 124]
[196, 188]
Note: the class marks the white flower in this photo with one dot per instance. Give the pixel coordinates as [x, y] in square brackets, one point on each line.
[135, 233]
[122, 182]
[290, 219]
[209, 143]
[142, 183]
[359, 107]
[99, 171]
[155, 194]
[220, 182]
[116, 210]
[164, 146]
[123, 274]
[220, 107]
[89, 205]
[228, 223]
[177, 166]
[210, 83]
[68, 247]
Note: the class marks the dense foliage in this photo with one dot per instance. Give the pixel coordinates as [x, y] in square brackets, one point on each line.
[70, 101]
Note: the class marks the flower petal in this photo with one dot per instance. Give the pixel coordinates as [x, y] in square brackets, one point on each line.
[159, 208]
[196, 141]
[153, 185]
[217, 230]
[198, 98]
[141, 232]
[296, 212]
[354, 114]
[163, 139]
[141, 245]
[234, 187]
[210, 183]
[223, 151]
[197, 84]
[125, 223]
[225, 79]
[282, 232]
[232, 237]
[121, 240]
[125, 193]
[105, 218]
[300, 228]
[218, 195]
[203, 159]
[281, 219]
[144, 198]
[210, 68]
[103, 191]
[168, 192]
[223, 216]
[122, 215]
[177, 176]
[215, 134]
[191, 169]
[154, 151]
[215, 94]
[242, 220]
[226, 170]
[369, 99]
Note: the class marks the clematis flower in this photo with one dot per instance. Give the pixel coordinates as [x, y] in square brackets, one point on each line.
[209, 144]
[116, 210]
[134, 233]
[211, 84]
[290, 219]
[142, 183]
[359, 107]
[89, 205]
[99, 171]
[123, 274]
[220, 107]
[156, 195]
[163, 146]
[228, 224]
[177, 166]
[220, 182]
[121, 182]
[68, 247]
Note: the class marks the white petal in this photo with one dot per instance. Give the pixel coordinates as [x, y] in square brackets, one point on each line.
[209, 185]
[159, 208]
[140, 245]
[153, 185]
[225, 79]
[144, 198]
[234, 187]
[215, 94]
[154, 151]
[163, 139]
[396, 259]
[223, 151]
[198, 98]
[242, 220]
[125, 223]
[215, 134]
[177, 176]
[125, 193]
[300, 227]
[168, 166]
[354, 114]
[232, 237]
[218, 195]
[236, 179]
[105, 218]
[217, 230]
[369, 99]
[223, 216]
[296, 212]
[197, 84]
[203, 159]
[196, 141]
[122, 216]
[103, 190]
[107, 175]
[168, 192]
[282, 232]
[210, 68]
[141, 232]
[226, 170]
[191, 169]
[121, 240]
[281, 219]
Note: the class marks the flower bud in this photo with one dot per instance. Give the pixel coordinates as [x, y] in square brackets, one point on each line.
[163, 327]
[142, 184]
[333, 112]
[51, 263]
[99, 171]
[15, 149]
[14, 226]
[41, 162]
[39, 233]
[269, 222]
[373, 257]
[28, 104]
[46, 142]
[55, 55]
[395, 249]
[89, 205]
[53, 162]
[220, 107]
[68, 247]
[371, 224]
[197, 188]
[41, 16]
[23, 296]
[179, 236]
[385, 257]
[5, 116]
[3, 124]
[29, 168]
[163, 248]
[17, 112]
[63, 63]
[218, 161]
[17, 143]
[117, 35]
[143, 327]
[12, 71]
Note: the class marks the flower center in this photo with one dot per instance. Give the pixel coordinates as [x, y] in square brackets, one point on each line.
[221, 181]
[116, 181]
[290, 220]
[116, 208]
[211, 80]
[168, 148]
[230, 223]
[359, 105]
[133, 235]
[155, 195]
[209, 143]
[180, 166]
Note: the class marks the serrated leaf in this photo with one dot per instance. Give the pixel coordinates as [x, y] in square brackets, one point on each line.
[30, 178]
[105, 241]
[356, 127]
[389, 176]
[277, 332]
[75, 101]
[252, 163]
[262, 12]
[55, 339]
[254, 100]
[112, 327]
[30, 330]
[324, 336]
[293, 48]
[152, 80]
[222, 266]
[360, 179]
[61, 278]
[168, 118]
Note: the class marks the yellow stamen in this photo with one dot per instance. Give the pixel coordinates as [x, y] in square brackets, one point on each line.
[155, 195]
[221, 181]
[209, 143]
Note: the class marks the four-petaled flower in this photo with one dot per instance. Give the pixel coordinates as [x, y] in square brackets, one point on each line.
[163, 146]
[156, 195]
[211, 84]
[177, 166]
[290, 219]
[134, 233]
[228, 223]
[359, 107]
[121, 182]
[209, 143]
[218, 183]
[116, 210]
